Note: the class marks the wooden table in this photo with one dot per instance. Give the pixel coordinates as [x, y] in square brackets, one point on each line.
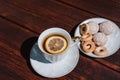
[21, 22]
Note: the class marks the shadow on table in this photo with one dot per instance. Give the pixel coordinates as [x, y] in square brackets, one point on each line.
[37, 55]
[29, 46]
[73, 30]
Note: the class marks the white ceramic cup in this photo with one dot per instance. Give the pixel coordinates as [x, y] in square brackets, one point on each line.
[54, 57]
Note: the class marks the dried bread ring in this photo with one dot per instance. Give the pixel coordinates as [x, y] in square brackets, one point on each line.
[86, 37]
[84, 29]
[88, 46]
[100, 50]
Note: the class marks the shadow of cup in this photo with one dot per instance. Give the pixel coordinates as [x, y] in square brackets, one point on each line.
[37, 54]
[29, 50]
[26, 49]
[27, 46]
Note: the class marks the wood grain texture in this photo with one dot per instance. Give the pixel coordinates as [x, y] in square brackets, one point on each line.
[22, 21]
[37, 16]
[15, 60]
[103, 8]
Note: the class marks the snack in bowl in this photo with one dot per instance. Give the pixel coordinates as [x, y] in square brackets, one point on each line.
[94, 46]
[105, 33]
[90, 27]
[86, 37]
[93, 41]
[88, 46]
[93, 27]
[84, 29]
[100, 39]
[100, 50]
[107, 27]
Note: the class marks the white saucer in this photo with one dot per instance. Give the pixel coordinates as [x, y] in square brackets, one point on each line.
[113, 43]
[53, 70]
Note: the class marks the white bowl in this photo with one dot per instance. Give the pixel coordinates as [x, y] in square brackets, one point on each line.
[113, 43]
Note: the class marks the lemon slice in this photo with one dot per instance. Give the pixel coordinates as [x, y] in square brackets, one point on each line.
[55, 44]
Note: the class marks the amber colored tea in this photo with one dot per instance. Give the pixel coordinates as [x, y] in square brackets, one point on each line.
[55, 43]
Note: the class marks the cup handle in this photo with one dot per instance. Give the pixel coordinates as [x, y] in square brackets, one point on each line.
[76, 41]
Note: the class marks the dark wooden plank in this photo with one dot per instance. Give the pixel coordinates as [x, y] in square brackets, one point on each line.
[92, 71]
[39, 15]
[112, 61]
[104, 8]
[12, 36]
[4, 72]
[36, 16]
[11, 39]
[12, 59]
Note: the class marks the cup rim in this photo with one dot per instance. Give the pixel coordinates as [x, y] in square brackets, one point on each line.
[50, 29]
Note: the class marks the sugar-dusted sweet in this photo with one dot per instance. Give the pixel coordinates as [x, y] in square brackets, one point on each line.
[100, 39]
[107, 27]
[90, 27]
[93, 27]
